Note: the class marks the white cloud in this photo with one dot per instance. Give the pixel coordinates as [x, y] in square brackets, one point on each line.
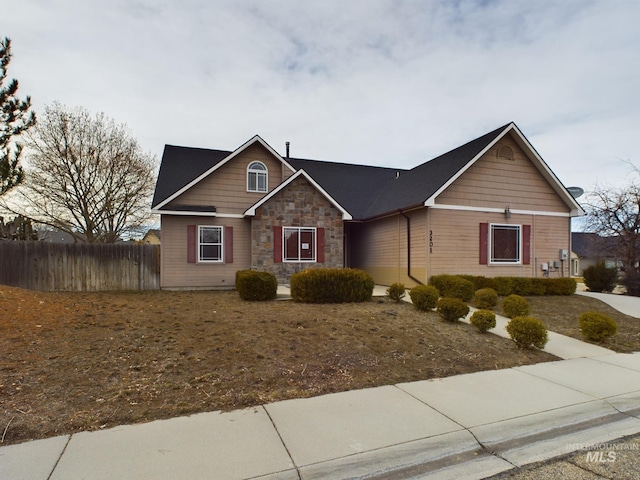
[377, 81]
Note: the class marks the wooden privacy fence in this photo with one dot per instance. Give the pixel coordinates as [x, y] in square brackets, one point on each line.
[79, 266]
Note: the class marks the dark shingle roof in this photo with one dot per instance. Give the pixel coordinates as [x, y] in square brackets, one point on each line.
[420, 183]
[352, 186]
[364, 191]
[592, 245]
[180, 166]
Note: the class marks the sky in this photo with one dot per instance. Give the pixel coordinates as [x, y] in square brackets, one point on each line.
[376, 82]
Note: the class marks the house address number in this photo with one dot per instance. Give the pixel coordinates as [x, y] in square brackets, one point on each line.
[430, 241]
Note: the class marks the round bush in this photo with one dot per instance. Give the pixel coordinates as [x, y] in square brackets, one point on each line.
[424, 297]
[452, 309]
[483, 320]
[331, 285]
[453, 286]
[486, 298]
[515, 306]
[396, 291]
[527, 332]
[256, 286]
[596, 326]
[599, 278]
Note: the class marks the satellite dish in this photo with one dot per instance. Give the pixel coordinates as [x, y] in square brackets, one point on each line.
[575, 191]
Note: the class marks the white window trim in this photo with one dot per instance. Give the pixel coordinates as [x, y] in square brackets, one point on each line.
[490, 243]
[198, 244]
[299, 260]
[264, 172]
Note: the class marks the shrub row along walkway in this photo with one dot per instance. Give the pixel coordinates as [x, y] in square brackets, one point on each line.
[465, 426]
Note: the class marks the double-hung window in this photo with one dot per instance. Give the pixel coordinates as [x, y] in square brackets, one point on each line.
[505, 244]
[210, 244]
[257, 177]
[299, 244]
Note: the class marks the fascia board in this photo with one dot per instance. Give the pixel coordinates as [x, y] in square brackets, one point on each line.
[251, 211]
[235, 153]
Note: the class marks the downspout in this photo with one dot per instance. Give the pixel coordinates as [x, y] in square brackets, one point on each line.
[409, 249]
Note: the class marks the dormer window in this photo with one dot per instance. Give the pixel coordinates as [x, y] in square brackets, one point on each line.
[257, 176]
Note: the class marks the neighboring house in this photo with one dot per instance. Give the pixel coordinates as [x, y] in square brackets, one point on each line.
[491, 207]
[592, 248]
[152, 237]
[55, 236]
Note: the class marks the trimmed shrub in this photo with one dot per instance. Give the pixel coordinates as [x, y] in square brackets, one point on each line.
[424, 297]
[521, 286]
[486, 298]
[331, 285]
[599, 278]
[479, 281]
[483, 320]
[256, 286]
[396, 292]
[452, 309]
[527, 332]
[596, 326]
[503, 285]
[453, 286]
[560, 286]
[515, 306]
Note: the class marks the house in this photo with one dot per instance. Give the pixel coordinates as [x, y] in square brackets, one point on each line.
[152, 237]
[591, 248]
[490, 207]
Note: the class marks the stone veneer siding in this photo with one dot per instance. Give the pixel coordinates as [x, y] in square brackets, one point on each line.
[298, 205]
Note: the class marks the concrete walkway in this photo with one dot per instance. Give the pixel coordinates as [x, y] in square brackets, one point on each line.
[465, 426]
[623, 303]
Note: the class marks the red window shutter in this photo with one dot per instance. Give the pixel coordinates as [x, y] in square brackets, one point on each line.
[484, 243]
[191, 243]
[277, 244]
[320, 245]
[228, 244]
[526, 244]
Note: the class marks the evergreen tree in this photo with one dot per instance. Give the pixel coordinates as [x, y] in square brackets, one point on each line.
[15, 118]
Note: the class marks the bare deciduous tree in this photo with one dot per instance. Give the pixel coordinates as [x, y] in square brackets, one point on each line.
[615, 215]
[86, 175]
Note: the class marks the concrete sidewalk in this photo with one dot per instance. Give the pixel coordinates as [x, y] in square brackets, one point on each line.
[466, 426]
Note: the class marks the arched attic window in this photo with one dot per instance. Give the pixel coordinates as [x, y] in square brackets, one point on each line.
[505, 151]
[257, 177]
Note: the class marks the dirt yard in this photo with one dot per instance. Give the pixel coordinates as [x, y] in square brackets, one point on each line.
[87, 361]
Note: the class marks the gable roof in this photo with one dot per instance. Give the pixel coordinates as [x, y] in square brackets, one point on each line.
[361, 192]
[183, 167]
[251, 211]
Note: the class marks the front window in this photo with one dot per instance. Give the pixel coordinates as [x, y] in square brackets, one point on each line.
[505, 244]
[209, 244]
[299, 244]
[257, 177]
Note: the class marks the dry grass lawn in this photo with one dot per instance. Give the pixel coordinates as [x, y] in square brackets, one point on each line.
[87, 361]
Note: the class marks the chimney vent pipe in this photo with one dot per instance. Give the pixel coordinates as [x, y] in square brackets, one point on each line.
[287, 148]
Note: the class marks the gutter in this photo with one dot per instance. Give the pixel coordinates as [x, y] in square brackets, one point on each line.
[409, 249]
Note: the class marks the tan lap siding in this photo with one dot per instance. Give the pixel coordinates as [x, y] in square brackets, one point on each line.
[456, 248]
[226, 188]
[496, 182]
[176, 272]
[380, 248]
